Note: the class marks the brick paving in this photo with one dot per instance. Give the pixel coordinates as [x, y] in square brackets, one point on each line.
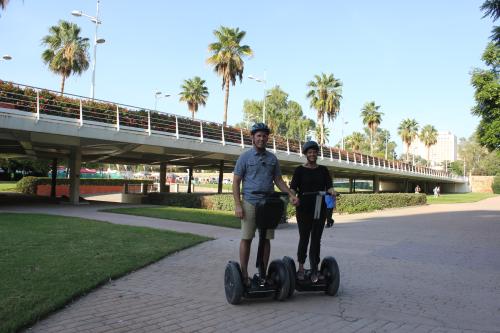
[422, 269]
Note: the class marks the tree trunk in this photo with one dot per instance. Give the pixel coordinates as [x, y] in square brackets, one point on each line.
[428, 154]
[371, 141]
[226, 101]
[407, 151]
[62, 84]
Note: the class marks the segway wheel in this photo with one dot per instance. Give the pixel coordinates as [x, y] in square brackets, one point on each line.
[233, 283]
[292, 272]
[279, 275]
[330, 270]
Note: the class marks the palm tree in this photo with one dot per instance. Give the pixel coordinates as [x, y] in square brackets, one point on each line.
[325, 95]
[492, 8]
[194, 93]
[371, 118]
[67, 52]
[326, 133]
[355, 140]
[227, 54]
[407, 130]
[428, 136]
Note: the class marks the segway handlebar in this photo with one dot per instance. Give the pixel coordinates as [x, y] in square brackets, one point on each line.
[317, 206]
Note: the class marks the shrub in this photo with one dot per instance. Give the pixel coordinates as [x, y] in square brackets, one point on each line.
[27, 185]
[496, 185]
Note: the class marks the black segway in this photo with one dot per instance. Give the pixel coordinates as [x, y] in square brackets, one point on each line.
[276, 283]
[329, 280]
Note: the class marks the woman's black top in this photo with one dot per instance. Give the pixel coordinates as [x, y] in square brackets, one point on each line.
[310, 180]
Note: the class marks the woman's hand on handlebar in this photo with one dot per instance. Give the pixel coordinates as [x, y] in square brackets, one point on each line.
[294, 200]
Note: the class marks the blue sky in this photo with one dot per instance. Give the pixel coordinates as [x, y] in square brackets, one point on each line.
[412, 58]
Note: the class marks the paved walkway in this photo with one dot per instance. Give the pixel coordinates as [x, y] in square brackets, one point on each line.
[425, 269]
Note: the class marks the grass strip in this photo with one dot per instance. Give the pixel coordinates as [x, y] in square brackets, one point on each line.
[458, 198]
[195, 215]
[47, 261]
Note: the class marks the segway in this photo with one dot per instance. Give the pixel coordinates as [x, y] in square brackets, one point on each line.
[329, 280]
[276, 282]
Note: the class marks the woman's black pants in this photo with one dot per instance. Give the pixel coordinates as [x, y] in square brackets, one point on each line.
[310, 228]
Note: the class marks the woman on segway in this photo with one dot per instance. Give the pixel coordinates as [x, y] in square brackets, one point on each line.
[310, 177]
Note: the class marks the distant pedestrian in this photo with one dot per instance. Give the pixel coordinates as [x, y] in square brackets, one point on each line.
[435, 191]
[438, 190]
[418, 189]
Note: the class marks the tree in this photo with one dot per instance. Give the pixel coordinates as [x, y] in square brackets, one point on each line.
[285, 116]
[355, 141]
[428, 136]
[227, 54]
[325, 95]
[3, 3]
[326, 133]
[478, 160]
[487, 95]
[194, 93]
[407, 130]
[67, 52]
[492, 8]
[372, 118]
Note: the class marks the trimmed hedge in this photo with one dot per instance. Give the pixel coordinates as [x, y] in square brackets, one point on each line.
[27, 185]
[495, 186]
[346, 203]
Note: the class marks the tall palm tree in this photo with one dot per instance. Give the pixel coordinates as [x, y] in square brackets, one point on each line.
[325, 95]
[408, 130]
[194, 93]
[428, 135]
[67, 52]
[492, 8]
[227, 54]
[372, 118]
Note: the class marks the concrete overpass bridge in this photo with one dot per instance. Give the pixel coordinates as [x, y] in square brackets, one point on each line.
[39, 123]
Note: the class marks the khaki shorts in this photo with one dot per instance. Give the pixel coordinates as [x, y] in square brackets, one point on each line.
[248, 225]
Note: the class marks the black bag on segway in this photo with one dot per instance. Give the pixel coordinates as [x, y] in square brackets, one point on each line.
[268, 212]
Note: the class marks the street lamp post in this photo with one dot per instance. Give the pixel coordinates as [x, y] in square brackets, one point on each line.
[264, 82]
[96, 20]
[158, 95]
[343, 123]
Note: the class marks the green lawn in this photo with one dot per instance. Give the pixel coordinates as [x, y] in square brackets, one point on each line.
[225, 187]
[458, 198]
[8, 187]
[47, 261]
[203, 216]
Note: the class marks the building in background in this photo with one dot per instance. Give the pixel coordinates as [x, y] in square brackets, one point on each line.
[445, 149]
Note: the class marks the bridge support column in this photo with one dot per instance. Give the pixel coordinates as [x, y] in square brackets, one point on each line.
[352, 185]
[190, 177]
[221, 176]
[376, 184]
[53, 181]
[163, 177]
[75, 163]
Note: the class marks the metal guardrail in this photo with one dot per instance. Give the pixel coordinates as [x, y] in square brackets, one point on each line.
[52, 106]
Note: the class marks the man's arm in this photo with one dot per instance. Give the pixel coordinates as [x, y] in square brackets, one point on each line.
[238, 211]
[280, 183]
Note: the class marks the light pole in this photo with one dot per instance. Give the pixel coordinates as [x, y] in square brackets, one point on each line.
[96, 20]
[343, 123]
[386, 144]
[263, 81]
[158, 95]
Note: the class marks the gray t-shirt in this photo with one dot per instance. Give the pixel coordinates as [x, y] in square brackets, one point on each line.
[257, 171]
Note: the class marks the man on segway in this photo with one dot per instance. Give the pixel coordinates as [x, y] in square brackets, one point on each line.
[310, 178]
[259, 170]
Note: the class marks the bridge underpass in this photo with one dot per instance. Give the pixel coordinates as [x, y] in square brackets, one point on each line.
[145, 137]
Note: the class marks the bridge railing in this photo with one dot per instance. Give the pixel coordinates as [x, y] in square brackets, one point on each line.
[52, 106]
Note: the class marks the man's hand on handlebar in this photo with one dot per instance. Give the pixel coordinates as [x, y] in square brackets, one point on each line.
[294, 200]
